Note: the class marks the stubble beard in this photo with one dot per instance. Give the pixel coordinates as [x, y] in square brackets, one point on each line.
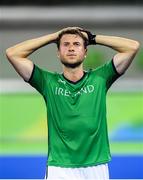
[71, 65]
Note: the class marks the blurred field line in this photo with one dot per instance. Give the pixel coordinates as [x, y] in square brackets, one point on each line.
[18, 86]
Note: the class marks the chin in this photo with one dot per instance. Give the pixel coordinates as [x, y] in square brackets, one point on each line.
[71, 64]
[70, 60]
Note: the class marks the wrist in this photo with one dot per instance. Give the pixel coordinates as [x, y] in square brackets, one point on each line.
[54, 37]
[91, 37]
[92, 40]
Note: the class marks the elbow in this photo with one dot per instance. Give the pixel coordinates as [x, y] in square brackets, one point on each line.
[132, 47]
[9, 53]
[135, 46]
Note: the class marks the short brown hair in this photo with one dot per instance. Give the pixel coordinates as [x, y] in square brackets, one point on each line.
[72, 31]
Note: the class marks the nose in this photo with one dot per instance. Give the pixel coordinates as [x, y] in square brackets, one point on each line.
[71, 48]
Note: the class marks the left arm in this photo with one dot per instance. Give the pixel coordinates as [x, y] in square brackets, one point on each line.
[126, 48]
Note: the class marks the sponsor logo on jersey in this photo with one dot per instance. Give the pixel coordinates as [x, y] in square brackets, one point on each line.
[61, 81]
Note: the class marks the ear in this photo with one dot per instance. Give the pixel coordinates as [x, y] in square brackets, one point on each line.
[85, 53]
[58, 54]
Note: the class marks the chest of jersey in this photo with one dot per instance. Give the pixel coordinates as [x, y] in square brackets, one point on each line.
[75, 108]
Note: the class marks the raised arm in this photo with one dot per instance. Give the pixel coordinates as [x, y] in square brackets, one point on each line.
[126, 48]
[18, 54]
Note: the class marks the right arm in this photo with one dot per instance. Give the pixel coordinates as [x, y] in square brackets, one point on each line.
[18, 54]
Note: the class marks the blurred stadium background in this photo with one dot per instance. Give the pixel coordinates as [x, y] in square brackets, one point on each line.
[23, 124]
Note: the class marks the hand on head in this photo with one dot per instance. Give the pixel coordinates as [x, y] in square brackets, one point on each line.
[87, 34]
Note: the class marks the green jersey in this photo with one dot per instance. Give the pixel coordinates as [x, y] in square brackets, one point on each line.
[76, 113]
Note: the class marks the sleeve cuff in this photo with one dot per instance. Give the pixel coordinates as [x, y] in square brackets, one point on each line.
[31, 74]
[116, 69]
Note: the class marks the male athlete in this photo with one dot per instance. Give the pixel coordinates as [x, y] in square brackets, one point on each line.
[78, 146]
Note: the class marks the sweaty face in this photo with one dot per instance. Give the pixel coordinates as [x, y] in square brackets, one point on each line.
[71, 51]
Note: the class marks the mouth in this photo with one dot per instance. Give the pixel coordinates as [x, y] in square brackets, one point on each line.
[71, 55]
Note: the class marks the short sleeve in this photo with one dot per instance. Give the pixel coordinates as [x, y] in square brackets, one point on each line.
[109, 73]
[39, 78]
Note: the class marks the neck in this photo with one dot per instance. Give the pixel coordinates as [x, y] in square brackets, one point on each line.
[73, 74]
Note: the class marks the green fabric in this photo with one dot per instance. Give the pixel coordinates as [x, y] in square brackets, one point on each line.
[76, 113]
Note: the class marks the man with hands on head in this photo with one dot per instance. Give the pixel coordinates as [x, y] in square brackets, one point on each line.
[78, 146]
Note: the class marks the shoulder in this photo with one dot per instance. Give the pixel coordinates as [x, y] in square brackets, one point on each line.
[106, 67]
[41, 73]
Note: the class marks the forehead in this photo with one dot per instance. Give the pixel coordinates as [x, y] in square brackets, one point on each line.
[71, 38]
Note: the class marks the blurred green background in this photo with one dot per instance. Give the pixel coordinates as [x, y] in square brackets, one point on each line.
[23, 123]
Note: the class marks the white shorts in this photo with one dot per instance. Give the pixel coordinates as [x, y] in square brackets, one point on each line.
[84, 173]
